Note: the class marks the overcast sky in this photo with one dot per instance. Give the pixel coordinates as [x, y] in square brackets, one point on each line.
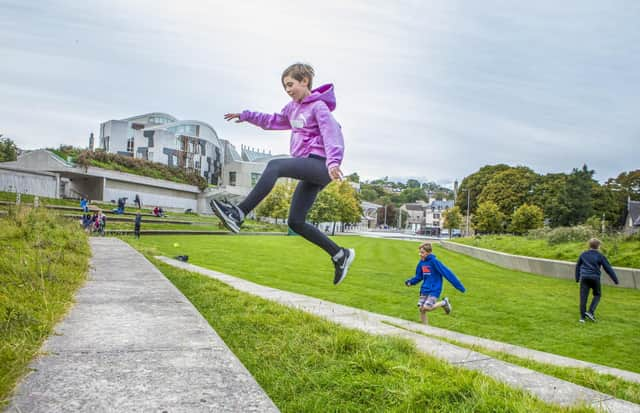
[432, 89]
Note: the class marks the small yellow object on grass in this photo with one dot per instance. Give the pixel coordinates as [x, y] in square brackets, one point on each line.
[175, 244]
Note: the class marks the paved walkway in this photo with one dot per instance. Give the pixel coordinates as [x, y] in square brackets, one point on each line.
[134, 343]
[545, 387]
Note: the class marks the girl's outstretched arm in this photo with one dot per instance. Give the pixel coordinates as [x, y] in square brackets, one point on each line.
[230, 116]
[275, 121]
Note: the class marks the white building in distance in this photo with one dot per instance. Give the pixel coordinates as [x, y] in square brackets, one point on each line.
[159, 137]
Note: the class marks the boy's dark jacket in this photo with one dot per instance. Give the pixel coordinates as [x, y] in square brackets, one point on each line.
[589, 263]
[430, 272]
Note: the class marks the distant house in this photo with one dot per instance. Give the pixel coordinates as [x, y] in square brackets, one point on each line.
[426, 217]
[632, 221]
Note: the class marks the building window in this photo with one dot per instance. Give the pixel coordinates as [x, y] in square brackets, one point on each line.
[106, 144]
[232, 179]
[436, 216]
[130, 145]
[254, 178]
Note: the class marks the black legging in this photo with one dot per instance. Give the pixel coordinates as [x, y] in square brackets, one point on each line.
[313, 175]
[586, 284]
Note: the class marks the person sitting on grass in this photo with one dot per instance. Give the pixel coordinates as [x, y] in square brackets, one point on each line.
[430, 271]
[588, 275]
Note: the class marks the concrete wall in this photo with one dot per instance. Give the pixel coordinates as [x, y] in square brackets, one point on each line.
[243, 172]
[28, 182]
[628, 277]
[150, 196]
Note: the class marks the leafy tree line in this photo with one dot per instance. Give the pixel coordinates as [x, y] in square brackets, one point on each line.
[338, 202]
[385, 192]
[517, 199]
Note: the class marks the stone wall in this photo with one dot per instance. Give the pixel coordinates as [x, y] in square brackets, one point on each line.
[28, 182]
[628, 277]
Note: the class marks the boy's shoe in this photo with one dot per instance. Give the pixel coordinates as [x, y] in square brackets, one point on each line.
[342, 264]
[229, 214]
[447, 305]
[581, 320]
[590, 316]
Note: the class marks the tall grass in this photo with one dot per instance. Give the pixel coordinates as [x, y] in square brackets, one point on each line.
[306, 364]
[43, 261]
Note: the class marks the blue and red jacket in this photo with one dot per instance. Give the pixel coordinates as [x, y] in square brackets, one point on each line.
[430, 272]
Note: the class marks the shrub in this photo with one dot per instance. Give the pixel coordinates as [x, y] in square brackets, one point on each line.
[525, 218]
[579, 233]
[139, 167]
[539, 233]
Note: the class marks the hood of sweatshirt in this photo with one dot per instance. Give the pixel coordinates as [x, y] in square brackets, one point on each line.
[324, 93]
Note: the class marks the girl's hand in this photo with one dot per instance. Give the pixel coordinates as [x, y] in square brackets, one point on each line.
[229, 116]
[335, 173]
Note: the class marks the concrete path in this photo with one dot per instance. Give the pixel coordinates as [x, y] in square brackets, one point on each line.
[134, 343]
[545, 387]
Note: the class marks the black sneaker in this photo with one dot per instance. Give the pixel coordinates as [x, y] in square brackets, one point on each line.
[590, 316]
[228, 213]
[447, 305]
[342, 265]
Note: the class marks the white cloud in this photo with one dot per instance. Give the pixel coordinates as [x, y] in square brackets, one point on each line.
[434, 89]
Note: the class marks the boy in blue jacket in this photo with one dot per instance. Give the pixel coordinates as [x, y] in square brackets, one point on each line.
[588, 275]
[430, 271]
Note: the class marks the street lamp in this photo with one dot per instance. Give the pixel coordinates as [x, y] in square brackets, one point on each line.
[468, 204]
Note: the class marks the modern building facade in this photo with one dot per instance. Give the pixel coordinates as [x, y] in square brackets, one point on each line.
[159, 137]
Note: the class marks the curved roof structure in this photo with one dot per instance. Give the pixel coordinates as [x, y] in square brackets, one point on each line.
[159, 114]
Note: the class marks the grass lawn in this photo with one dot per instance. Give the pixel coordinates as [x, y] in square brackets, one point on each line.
[307, 364]
[619, 253]
[43, 261]
[528, 310]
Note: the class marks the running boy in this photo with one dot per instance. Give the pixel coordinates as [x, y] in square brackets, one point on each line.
[317, 149]
[588, 275]
[430, 271]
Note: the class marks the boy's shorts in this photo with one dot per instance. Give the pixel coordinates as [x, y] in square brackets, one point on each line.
[427, 300]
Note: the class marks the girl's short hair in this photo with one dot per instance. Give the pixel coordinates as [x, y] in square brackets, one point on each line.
[594, 243]
[427, 247]
[299, 71]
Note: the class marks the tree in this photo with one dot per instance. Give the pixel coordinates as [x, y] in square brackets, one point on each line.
[608, 203]
[476, 183]
[630, 183]
[8, 150]
[488, 218]
[452, 219]
[509, 188]
[526, 217]
[546, 195]
[353, 177]
[350, 208]
[576, 196]
[413, 183]
[368, 194]
[338, 202]
[276, 204]
[412, 194]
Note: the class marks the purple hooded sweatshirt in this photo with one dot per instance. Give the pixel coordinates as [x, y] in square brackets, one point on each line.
[314, 130]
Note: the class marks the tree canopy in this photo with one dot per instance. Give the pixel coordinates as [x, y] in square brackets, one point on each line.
[8, 150]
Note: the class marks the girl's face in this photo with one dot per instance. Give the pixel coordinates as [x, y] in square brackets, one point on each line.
[297, 89]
